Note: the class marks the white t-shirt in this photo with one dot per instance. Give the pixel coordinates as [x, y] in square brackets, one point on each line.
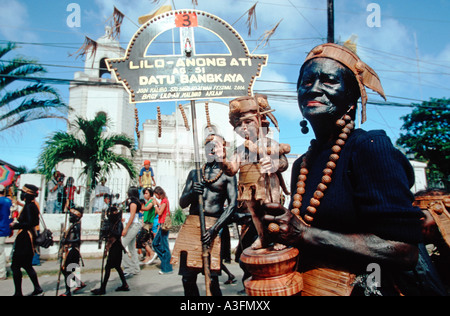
[52, 196]
[126, 218]
[99, 200]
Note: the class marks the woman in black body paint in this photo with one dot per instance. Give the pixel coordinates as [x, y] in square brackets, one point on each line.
[351, 204]
[23, 250]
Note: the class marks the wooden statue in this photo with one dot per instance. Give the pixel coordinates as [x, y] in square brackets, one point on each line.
[260, 160]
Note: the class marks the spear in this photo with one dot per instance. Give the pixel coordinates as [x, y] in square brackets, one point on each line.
[205, 248]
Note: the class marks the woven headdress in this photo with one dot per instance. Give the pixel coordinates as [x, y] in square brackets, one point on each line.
[248, 106]
[30, 189]
[365, 75]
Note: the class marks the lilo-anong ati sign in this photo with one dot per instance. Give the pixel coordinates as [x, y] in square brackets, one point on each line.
[187, 76]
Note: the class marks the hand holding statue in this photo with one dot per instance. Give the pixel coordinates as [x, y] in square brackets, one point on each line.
[284, 227]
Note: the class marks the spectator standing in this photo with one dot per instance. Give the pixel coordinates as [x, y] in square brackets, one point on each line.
[106, 203]
[146, 177]
[100, 190]
[69, 192]
[5, 231]
[132, 227]
[54, 186]
[149, 209]
[161, 241]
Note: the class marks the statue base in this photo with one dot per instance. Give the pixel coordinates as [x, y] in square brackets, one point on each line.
[273, 272]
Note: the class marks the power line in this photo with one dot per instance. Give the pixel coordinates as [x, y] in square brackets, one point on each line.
[401, 58]
[285, 97]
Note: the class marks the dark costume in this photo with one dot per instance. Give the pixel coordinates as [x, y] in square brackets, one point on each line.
[112, 232]
[369, 193]
[71, 251]
[23, 249]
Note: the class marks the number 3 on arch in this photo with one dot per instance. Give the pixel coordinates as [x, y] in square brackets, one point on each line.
[186, 20]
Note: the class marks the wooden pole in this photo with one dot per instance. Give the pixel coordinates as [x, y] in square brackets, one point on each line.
[330, 11]
[205, 248]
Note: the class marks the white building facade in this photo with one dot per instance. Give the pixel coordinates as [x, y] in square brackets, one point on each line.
[100, 95]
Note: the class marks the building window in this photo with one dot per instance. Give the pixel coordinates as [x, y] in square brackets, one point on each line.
[104, 73]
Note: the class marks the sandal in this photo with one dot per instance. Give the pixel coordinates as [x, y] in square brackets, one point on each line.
[230, 281]
[82, 286]
[98, 292]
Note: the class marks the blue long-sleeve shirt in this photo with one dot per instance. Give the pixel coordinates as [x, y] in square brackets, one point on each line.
[369, 192]
[5, 212]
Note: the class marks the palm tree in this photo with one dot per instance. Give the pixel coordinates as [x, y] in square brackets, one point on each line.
[91, 147]
[27, 103]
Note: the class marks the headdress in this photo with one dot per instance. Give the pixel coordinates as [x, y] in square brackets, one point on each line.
[30, 189]
[365, 75]
[249, 106]
[77, 211]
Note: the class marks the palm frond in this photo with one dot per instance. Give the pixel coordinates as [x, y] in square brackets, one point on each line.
[121, 140]
[57, 147]
[29, 105]
[18, 68]
[29, 117]
[91, 147]
[6, 49]
[14, 112]
[26, 91]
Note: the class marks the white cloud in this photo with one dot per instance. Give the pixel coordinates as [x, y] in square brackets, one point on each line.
[14, 22]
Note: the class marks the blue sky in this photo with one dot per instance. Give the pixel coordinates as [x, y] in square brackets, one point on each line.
[410, 51]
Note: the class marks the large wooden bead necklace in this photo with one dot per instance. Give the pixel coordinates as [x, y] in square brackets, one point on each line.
[347, 125]
[208, 180]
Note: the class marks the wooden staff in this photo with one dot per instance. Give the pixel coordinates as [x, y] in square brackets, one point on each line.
[205, 248]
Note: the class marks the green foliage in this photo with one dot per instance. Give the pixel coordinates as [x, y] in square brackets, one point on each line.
[428, 135]
[29, 102]
[91, 147]
[178, 218]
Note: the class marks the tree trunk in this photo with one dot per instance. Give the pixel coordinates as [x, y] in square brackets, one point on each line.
[87, 196]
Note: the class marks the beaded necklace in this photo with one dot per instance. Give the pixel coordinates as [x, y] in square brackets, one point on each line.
[347, 126]
[208, 180]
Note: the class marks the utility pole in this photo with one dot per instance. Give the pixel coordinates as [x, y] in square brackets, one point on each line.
[330, 11]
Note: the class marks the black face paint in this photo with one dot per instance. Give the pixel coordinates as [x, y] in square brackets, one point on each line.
[326, 89]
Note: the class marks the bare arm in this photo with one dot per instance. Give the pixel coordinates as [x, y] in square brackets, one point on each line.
[187, 197]
[133, 208]
[160, 210]
[365, 247]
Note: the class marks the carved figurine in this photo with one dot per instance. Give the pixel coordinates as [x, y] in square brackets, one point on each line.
[260, 160]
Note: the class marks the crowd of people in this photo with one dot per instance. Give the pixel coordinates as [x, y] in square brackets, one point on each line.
[350, 205]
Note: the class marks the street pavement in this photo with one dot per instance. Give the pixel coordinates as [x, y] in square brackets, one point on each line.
[147, 283]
